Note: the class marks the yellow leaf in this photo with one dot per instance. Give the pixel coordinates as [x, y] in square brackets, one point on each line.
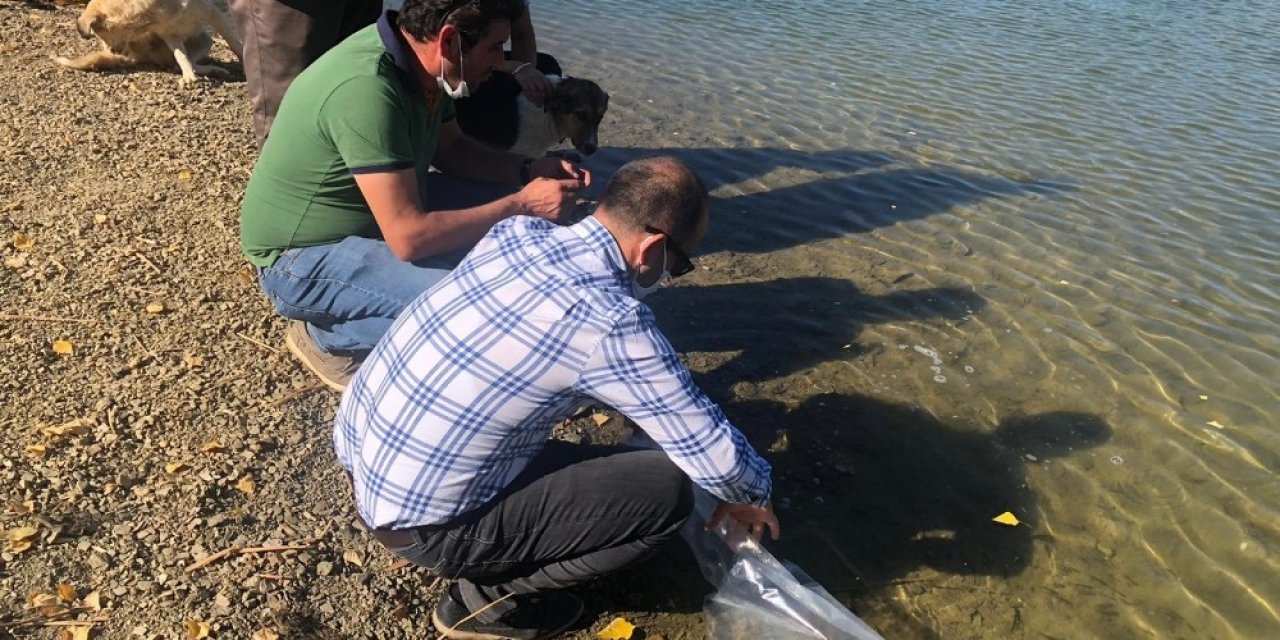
[66, 592]
[1006, 518]
[155, 307]
[353, 556]
[245, 275]
[63, 348]
[99, 218]
[195, 629]
[781, 444]
[618, 629]
[175, 467]
[23, 242]
[246, 485]
[1204, 397]
[20, 533]
[93, 601]
[212, 447]
[77, 427]
[193, 360]
[78, 632]
[1216, 425]
[36, 450]
[265, 634]
[19, 546]
[600, 418]
[184, 175]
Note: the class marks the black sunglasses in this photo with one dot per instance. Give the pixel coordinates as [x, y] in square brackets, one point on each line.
[682, 263]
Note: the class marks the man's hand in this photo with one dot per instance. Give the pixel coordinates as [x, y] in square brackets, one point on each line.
[550, 199]
[752, 518]
[535, 86]
[560, 169]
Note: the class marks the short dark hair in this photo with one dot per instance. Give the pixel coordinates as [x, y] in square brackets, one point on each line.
[660, 192]
[423, 19]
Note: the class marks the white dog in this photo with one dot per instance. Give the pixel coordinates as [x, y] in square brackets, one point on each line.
[153, 31]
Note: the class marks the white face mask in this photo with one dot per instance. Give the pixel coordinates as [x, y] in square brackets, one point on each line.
[639, 291]
[463, 90]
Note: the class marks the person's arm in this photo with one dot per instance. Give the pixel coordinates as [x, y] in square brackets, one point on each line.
[412, 233]
[635, 370]
[524, 60]
[459, 155]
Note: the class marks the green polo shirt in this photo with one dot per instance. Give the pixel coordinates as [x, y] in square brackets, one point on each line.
[358, 109]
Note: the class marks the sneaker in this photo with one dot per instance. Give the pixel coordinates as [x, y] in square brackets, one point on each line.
[334, 371]
[535, 617]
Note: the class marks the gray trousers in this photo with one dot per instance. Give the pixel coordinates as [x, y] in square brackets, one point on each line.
[282, 37]
[576, 513]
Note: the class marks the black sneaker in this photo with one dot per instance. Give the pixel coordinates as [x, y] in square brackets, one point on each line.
[535, 617]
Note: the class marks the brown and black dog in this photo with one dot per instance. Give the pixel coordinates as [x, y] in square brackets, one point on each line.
[500, 117]
[159, 32]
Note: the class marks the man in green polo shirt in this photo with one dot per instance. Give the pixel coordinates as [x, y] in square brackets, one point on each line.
[343, 216]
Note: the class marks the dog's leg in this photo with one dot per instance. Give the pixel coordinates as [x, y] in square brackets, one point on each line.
[179, 49]
[96, 61]
[221, 25]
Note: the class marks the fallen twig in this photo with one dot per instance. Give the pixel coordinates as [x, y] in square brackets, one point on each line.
[229, 551]
[294, 394]
[257, 342]
[11, 316]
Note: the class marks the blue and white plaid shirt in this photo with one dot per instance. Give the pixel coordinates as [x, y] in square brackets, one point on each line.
[464, 389]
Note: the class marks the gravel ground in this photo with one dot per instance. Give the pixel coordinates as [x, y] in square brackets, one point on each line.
[149, 414]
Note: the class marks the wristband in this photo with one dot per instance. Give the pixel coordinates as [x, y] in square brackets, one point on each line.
[525, 166]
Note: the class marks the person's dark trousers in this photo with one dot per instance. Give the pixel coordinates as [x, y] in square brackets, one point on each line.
[282, 37]
[576, 513]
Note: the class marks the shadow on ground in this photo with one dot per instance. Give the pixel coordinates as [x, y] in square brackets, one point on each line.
[819, 195]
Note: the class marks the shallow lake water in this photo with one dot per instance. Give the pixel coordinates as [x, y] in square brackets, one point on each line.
[977, 257]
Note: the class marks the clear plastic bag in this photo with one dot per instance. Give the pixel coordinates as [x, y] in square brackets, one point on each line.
[756, 596]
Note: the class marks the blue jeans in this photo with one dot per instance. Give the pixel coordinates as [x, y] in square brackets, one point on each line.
[350, 292]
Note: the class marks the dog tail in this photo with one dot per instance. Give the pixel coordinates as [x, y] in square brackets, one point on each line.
[221, 25]
[96, 61]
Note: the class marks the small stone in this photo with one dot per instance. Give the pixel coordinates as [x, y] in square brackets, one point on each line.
[324, 568]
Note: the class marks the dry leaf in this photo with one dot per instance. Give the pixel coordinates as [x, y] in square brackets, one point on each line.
[781, 444]
[195, 629]
[21, 507]
[19, 546]
[246, 485]
[193, 360]
[155, 307]
[245, 275]
[175, 467]
[77, 427]
[20, 533]
[212, 447]
[93, 601]
[63, 348]
[78, 632]
[36, 450]
[353, 556]
[618, 629]
[23, 242]
[1204, 397]
[1216, 425]
[99, 218]
[600, 418]
[265, 634]
[1006, 518]
[184, 175]
[16, 262]
[66, 592]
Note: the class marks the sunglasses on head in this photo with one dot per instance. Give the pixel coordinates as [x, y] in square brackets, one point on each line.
[681, 263]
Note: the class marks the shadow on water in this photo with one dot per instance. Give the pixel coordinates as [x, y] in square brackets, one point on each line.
[787, 325]
[840, 192]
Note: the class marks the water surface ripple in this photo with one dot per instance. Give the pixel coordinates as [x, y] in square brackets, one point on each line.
[975, 257]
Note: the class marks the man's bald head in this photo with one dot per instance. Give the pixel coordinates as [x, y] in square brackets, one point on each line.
[661, 193]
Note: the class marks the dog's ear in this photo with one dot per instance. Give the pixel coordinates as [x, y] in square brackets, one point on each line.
[558, 101]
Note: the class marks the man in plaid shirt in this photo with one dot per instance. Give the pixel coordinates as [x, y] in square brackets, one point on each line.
[445, 427]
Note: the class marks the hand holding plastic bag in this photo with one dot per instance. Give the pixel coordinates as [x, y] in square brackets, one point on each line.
[757, 596]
